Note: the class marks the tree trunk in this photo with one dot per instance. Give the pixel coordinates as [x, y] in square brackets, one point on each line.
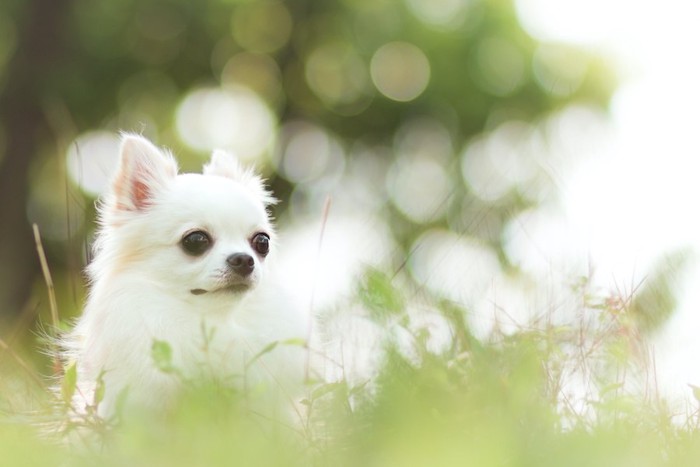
[40, 47]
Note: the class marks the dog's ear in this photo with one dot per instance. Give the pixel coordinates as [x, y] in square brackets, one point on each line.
[143, 171]
[223, 164]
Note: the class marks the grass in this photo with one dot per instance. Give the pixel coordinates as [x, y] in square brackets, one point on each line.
[574, 393]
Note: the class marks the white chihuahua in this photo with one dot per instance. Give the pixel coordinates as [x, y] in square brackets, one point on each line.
[181, 267]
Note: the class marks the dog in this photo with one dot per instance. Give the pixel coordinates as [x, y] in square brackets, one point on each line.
[182, 288]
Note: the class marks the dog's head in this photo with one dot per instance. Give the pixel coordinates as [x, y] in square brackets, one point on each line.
[203, 234]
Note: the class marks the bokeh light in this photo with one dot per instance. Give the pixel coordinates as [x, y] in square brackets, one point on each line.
[400, 71]
[419, 187]
[444, 14]
[453, 266]
[257, 72]
[91, 161]
[263, 26]
[308, 152]
[559, 69]
[327, 270]
[234, 119]
[500, 66]
[543, 242]
[425, 136]
[418, 181]
[500, 161]
[338, 75]
[367, 168]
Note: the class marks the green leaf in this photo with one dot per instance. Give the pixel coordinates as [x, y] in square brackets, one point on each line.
[355, 390]
[99, 390]
[296, 341]
[207, 333]
[327, 389]
[657, 298]
[162, 355]
[379, 295]
[267, 349]
[70, 381]
[463, 340]
[611, 388]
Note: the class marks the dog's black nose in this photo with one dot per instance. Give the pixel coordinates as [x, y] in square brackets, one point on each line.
[241, 263]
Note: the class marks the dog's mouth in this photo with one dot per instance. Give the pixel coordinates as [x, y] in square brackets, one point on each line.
[234, 288]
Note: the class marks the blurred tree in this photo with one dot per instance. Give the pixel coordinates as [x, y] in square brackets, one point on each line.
[361, 69]
[26, 82]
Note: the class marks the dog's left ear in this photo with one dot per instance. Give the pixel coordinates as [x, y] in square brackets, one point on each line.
[226, 165]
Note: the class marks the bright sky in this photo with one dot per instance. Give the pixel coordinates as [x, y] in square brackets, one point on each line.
[637, 196]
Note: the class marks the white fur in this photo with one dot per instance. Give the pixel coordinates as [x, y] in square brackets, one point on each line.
[142, 282]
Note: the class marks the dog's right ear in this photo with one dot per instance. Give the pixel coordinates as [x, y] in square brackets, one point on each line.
[144, 170]
[224, 164]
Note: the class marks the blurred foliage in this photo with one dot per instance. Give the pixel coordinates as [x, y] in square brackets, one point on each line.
[379, 295]
[656, 300]
[127, 65]
[499, 403]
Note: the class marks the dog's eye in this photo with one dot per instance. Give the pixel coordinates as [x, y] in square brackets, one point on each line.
[196, 243]
[261, 243]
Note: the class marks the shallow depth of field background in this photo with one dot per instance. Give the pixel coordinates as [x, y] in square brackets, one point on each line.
[528, 164]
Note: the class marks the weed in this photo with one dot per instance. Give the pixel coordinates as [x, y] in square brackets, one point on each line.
[576, 392]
